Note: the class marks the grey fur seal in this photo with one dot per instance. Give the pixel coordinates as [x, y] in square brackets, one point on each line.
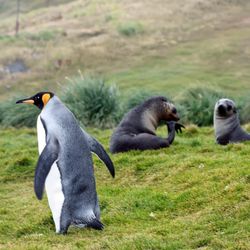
[226, 123]
[65, 165]
[136, 130]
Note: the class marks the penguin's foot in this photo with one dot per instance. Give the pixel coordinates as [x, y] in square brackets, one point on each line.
[96, 224]
[62, 231]
[79, 225]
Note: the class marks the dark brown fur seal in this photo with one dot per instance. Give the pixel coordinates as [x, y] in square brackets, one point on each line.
[138, 126]
[226, 123]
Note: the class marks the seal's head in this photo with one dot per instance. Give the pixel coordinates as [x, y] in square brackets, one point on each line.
[165, 110]
[224, 108]
[227, 124]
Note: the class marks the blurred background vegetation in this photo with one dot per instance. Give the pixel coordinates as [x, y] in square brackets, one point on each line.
[192, 51]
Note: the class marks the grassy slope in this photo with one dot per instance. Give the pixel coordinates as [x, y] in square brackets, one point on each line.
[192, 195]
[180, 44]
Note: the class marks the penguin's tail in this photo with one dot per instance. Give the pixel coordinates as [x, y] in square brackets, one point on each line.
[96, 224]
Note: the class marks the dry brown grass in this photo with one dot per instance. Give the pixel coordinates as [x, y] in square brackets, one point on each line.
[85, 36]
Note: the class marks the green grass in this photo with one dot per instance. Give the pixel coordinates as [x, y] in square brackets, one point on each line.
[192, 195]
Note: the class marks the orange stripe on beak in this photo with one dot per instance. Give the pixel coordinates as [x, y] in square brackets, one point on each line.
[28, 101]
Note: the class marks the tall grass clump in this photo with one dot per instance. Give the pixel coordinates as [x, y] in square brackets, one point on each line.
[243, 105]
[135, 98]
[198, 105]
[93, 102]
[130, 29]
[18, 115]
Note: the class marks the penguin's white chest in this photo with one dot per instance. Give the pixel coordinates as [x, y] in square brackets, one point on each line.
[53, 184]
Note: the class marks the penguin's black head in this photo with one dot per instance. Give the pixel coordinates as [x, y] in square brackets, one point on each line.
[40, 99]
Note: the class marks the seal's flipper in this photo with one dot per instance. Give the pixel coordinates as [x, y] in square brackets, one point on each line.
[179, 127]
[171, 131]
[171, 126]
[45, 161]
[98, 149]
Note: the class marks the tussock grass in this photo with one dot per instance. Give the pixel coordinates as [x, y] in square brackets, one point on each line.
[192, 195]
[243, 106]
[135, 98]
[97, 104]
[92, 101]
[198, 105]
[12, 114]
[130, 29]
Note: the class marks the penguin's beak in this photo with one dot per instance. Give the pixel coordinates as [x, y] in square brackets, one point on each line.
[27, 100]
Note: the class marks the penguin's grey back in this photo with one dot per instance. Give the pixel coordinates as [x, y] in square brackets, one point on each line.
[74, 157]
[60, 123]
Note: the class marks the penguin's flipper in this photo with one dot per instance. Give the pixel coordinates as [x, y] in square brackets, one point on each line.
[98, 149]
[45, 161]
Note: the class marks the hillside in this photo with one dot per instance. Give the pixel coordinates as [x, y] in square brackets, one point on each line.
[193, 195]
[164, 46]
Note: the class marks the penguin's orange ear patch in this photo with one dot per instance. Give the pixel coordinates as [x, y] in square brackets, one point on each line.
[45, 98]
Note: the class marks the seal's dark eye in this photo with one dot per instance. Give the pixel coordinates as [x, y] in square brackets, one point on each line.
[174, 111]
[229, 107]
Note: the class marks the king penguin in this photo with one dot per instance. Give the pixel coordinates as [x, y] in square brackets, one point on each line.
[65, 165]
